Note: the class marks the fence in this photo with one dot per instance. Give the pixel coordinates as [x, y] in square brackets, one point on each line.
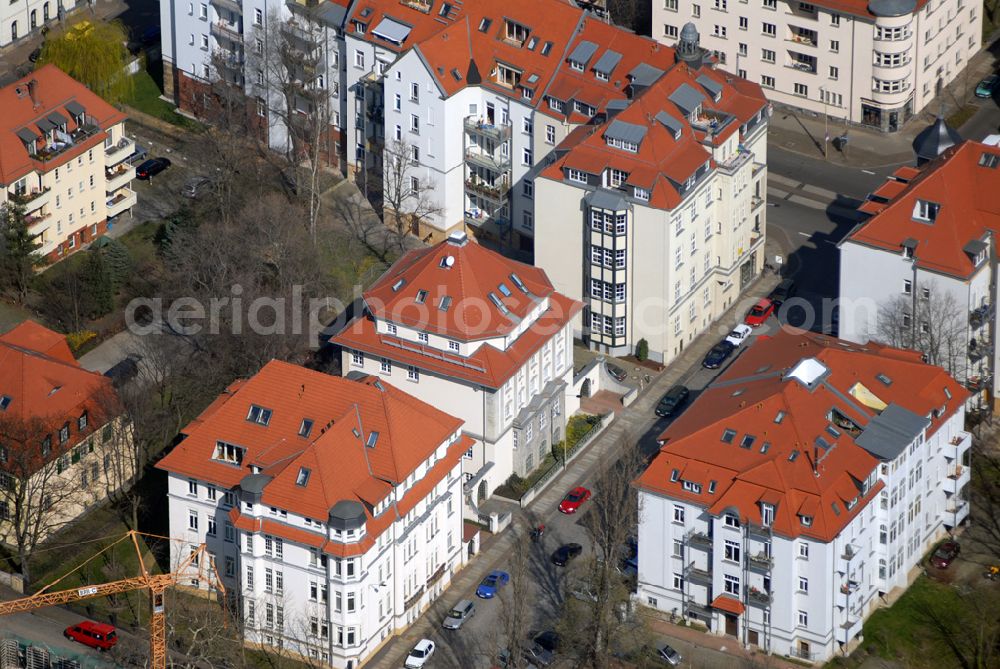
[20, 653]
[13, 581]
[571, 453]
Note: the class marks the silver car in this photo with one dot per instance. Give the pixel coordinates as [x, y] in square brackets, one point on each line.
[667, 654]
[196, 186]
[464, 610]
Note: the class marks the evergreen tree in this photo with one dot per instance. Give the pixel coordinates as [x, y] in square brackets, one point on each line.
[100, 286]
[118, 261]
[19, 252]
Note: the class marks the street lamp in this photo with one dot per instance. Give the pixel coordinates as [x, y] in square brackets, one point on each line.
[826, 123]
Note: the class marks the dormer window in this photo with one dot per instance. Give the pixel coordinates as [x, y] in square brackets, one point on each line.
[259, 415]
[514, 32]
[615, 178]
[506, 75]
[728, 436]
[360, 27]
[575, 65]
[692, 487]
[675, 475]
[925, 211]
[421, 296]
[228, 453]
[806, 521]
[556, 105]
[766, 514]
[642, 194]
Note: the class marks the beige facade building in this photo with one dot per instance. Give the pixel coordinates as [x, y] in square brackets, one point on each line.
[874, 63]
[655, 219]
[64, 157]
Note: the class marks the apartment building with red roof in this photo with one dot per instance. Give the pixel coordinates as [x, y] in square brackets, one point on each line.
[331, 507]
[63, 154]
[920, 271]
[654, 217]
[63, 440]
[877, 63]
[805, 483]
[463, 327]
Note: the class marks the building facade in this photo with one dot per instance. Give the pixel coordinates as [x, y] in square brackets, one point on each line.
[922, 272]
[331, 508]
[24, 18]
[461, 326]
[801, 487]
[64, 444]
[655, 218]
[873, 63]
[63, 158]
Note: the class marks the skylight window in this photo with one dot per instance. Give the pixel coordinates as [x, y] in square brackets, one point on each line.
[711, 487]
[6, 400]
[832, 431]
[765, 447]
[520, 284]
[674, 475]
[728, 436]
[399, 284]
[484, 25]
[546, 48]
[532, 43]
[259, 415]
[306, 427]
[947, 393]
[747, 441]
[504, 290]
[836, 508]
[989, 160]
[421, 296]
[445, 10]
[444, 303]
[498, 303]
[806, 520]
[780, 417]
[738, 392]
[885, 380]
[372, 439]
[925, 211]
[303, 477]
[793, 456]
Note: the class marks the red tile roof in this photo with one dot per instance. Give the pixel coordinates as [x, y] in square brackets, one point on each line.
[661, 160]
[756, 399]
[48, 388]
[404, 430]
[969, 209]
[728, 604]
[53, 90]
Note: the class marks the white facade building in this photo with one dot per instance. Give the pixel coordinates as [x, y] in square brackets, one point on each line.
[656, 217]
[875, 63]
[332, 508]
[801, 486]
[21, 18]
[921, 271]
[461, 326]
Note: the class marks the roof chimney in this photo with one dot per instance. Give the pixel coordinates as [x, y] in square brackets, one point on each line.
[32, 85]
[458, 238]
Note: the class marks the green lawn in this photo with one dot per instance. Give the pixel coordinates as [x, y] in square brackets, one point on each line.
[900, 630]
[146, 98]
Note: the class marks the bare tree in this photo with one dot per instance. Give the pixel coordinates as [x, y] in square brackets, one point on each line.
[932, 322]
[408, 199]
[966, 625]
[510, 636]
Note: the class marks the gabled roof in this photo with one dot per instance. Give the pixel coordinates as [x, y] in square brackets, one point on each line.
[29, 111]
[964, 184]
[366, 437]
[664, 161]
[802, 445]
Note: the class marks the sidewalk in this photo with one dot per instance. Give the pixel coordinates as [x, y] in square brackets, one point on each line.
[803, 132]
[722, 644]
[630, 425]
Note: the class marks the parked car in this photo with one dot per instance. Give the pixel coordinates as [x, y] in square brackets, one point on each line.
[782, 292]
[617, 372]
[986, 87]
[151, 34]
[96, 635]
[549, 640]
[671, 401]
[464, 610]
[739, 334]
[420, 654]
[197, 186]
[759, 313]
[562, 555]
[538, 655]
[140, 154]
[718, 355]
[490, 586]
[572, 501]
[945, 554]
[668, 654]
[151, 168]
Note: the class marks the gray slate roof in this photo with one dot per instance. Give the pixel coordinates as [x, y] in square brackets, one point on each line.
[392, 30]
[626, 132]
[606, 199]
[75, 108]
[891, 432]
[672, 124]
[607, 62]
[935, 139]
[687, 98]
[644, 74]
[583, 52]
[713, 87]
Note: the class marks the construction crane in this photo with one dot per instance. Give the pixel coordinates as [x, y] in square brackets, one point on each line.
[198, 564]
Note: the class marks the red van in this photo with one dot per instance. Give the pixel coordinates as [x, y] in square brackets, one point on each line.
[95, 635]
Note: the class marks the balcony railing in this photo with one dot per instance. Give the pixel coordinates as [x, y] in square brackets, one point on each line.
[494, 191]
[118, 177]
[66, 141]
[760, 561]
[436, 576]
[697, 609]
[981, 316]
[802, 67]
[477, 125]
[758, 597]
[36, 219]
[414, 598]
[301, 33]
[120, 151]
[808, 40]
[979, 349]
[231, 5]
[32, 200]
[228, 30]
[735, 162]
[696, 574]
[121, 201]
[755, 202]
[700, 539]
[501, 164]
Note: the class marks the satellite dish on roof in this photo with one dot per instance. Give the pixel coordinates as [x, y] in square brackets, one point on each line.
[449, 261]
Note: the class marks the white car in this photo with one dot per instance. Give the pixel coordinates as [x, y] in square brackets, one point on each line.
[420, 654]
[739, 334]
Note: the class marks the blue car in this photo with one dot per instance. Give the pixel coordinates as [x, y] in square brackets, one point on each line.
[492, 584]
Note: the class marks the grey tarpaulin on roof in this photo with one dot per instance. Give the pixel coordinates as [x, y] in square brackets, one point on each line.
[27, 135]
[606, 199]
[392, 30]
[607, 62]
[687, 98]
[583, 52]
[891, 432]
[626, 132]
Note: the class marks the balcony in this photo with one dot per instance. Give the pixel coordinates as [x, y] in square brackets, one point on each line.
[230, 5]
[711, 121]
[957, 478]
[118, 177]
[756, 202]
[734, 163]
[36, 218]
[956, 510]
[700, 539]
[849, 553]
[803, 36]
[301, 33]
[436, 576]
[478, 126]
[700, 610]
[980, 317]
[231, 60]
[35, 199]
[122, 200]
[760, 562]
[758, 597]
[801, 66]
[849, 629]
[759, 530]
[414, 598]
[494, 191]
[66, 141]
[116, 153]
[979, 348]
[484, 159]
[226, 30]
[696, 574]
[958, 445]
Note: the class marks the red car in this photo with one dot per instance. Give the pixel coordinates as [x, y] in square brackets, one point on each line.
[95, 635]
[945, 554]
[759, 313]
[574, 499]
